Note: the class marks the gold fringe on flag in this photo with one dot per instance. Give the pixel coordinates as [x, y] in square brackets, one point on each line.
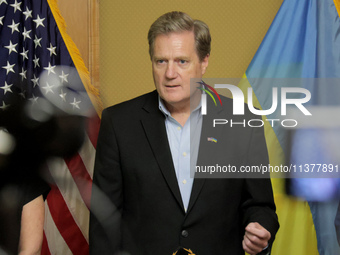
[83, 72]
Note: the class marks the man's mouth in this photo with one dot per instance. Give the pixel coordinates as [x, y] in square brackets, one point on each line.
[171, 86]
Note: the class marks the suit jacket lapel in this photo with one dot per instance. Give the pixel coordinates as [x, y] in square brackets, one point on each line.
[155, 130]
[215, 112]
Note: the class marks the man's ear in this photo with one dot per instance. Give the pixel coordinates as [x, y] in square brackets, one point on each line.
[204, 63]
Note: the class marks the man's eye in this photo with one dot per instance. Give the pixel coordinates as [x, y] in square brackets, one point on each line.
[160, 61]
[182, 61]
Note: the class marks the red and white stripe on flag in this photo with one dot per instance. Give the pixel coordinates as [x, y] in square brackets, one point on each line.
[67, 205]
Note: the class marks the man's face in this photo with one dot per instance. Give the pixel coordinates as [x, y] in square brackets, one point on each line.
[174, 62]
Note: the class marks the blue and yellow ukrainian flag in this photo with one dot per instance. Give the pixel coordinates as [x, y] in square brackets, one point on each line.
[303, 41]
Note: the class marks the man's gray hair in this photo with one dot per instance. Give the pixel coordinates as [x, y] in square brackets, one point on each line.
[175, 22]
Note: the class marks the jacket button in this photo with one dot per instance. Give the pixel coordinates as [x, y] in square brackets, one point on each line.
[184, 233]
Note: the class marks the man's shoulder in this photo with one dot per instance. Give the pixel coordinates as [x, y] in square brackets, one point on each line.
[227, 105]
[134, 104]
[226, 100]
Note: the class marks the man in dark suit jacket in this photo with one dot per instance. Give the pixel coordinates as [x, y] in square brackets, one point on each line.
[138, 204]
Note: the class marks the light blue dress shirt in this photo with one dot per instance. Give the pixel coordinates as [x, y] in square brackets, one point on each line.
[184, 143]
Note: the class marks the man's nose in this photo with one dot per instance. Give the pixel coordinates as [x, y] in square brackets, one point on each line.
[171, 72]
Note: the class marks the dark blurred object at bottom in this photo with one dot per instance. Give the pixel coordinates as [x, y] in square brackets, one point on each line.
[337, 224]
[184, 251]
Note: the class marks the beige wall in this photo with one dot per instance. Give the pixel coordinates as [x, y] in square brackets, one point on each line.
[237, 28]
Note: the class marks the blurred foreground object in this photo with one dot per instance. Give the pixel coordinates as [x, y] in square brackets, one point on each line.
[30, 133]
[34, 40]
[313, 150]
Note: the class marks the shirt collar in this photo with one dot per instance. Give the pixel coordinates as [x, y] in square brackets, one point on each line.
[166, 112]
[162, 107]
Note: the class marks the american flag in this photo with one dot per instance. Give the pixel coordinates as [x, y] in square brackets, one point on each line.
[36, 48]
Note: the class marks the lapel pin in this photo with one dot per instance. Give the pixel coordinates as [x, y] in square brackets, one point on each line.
[212, 139]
